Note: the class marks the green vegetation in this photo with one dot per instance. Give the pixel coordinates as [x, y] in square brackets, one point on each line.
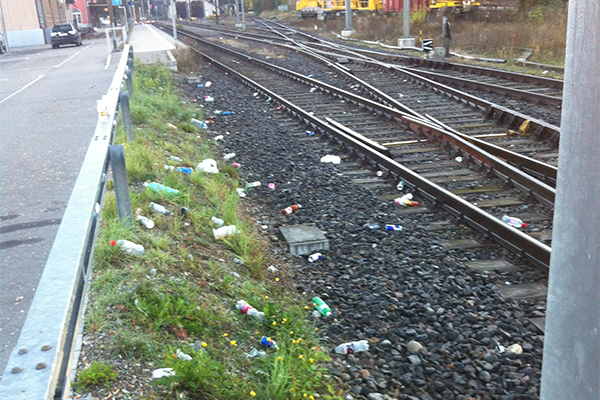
[181, 294]
[95, 374]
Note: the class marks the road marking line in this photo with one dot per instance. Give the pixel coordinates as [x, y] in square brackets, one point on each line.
[87, 47]
[108, 60]
[74, 55]
[152, 29]
[23, 88]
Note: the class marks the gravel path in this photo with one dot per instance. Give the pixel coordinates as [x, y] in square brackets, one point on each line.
[390, 288]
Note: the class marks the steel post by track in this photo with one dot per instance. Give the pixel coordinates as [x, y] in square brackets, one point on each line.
[571, 364]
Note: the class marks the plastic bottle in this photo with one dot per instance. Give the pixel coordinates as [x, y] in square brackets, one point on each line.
[310, 133]
[209, 99]
[315, 257]
[322, 307]
[229, 156]
[400, 185]
[268, 342]
[128, 247]
[185, 170]
[160, 209]
[217, 221]
[247, 309]
[255, 353]
[406, 201]
[147, 222]
[352, 347]
[514, 222]
[174, 158]
[393, 227]
[291, 209]
[157, 187]
[235, 165]
[169, 167]
[171, 126]
[252, 184]
[271, 186]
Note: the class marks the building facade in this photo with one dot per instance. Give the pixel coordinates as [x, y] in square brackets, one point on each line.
[29, 22]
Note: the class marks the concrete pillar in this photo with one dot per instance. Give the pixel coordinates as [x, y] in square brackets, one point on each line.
[571, 365]
[406, 18]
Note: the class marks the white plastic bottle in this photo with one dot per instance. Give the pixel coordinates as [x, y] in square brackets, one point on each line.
[217, 221]
[147, 222]
[315, 257]
[352, 347]
[160, 209]
[129, 247]
[246, 308]
[514, 222]
[225, 231]
[229, 156]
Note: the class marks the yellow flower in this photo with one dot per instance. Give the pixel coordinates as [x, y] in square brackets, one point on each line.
[293, 342]
[233, 343]
[301, 356]
[266, 297]
[278, 358]
[175, 355]
[276, 279]
[306, 307]
[252, 393]
[303, 292]
[204, 344]
[257, 332]
[268, 339]
[285, 320]
[299, 339]
[291, 332]
[225, 335]
[274, 323]
[311, 397]
[314, 349]
[292, 389]
[311, 360]
[305, 395]
[316, 329]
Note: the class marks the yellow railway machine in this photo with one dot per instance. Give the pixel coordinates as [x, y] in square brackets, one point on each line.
[315, 7]
[458, 5]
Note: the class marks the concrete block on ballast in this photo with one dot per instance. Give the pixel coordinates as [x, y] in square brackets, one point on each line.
[304, 239]
[405, 42]
[439, 52]
[342, 60]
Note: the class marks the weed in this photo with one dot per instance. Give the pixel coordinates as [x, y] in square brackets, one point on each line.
[95, 374]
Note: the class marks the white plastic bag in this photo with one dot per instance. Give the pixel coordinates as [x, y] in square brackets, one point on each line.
[331, 159]
[209, 165]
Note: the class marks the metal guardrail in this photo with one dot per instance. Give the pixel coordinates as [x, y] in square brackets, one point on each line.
[39, 364]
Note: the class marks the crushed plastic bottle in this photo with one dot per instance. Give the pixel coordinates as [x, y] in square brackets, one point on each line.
[159, 209]
[247, 309]
[182, 356]
[209, 99]
[372, 226]
[291, 209]
[514, 222]
[315, 257]
[271, 186]
[128, 247]
[147, 222]
[175, 158]
[310, 133]
[406, 201]
[322, 307]
[272, 269]
[256, 353]
[171, 126]
[219, 112]
[157, 187]
[252, 185]
[331, 159]
[379, 173]
[225, 231]
[313, 89]
[390, 227]
[235, 165]
[185, 170]
[352, 347]
[217, 138]
[217, 221]
[199, 123]
[229, 156]
[162, 373]
[241, 192]
[208, 84]
[268, 342]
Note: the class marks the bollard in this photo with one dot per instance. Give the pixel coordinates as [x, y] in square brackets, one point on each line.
[127, 122]
[129, 80]
[119, 172]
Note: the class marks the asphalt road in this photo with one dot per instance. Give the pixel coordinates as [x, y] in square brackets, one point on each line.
[47, 120]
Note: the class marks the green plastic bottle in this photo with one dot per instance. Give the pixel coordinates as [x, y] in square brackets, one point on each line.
[322, 306]
[157, 187]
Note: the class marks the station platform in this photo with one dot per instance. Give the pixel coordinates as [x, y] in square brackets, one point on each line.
[151, 45]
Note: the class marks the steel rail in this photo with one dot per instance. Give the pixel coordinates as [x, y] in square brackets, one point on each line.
[521, 180]
[533, 250]
[542, 171]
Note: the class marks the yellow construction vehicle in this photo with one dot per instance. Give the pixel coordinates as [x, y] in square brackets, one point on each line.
[457, 5]
[315, 7]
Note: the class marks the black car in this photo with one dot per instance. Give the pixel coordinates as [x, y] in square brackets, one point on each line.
[65, 34]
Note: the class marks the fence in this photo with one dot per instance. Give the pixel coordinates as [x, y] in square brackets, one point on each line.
[39, 364]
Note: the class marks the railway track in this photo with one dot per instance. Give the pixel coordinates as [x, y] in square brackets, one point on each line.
[456, 312]
[464, 115]
[523, 87]
[418, 146]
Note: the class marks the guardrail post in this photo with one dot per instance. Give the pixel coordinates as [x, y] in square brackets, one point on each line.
[119, 170]
[129, 80]
[127, 123]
